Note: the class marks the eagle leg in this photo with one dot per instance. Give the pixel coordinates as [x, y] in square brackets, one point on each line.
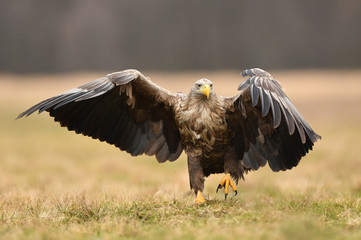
[226, 182]
[196, 178]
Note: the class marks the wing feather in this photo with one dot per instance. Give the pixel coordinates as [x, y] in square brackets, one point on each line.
[276, 111]
[266, 102]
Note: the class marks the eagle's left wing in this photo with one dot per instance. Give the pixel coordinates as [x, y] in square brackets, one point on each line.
[266, 125]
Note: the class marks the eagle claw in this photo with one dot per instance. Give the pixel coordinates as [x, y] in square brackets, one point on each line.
[200, 199]
[226, 182]
[219, 187]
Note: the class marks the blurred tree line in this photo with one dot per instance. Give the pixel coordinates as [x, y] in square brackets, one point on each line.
[72, 35]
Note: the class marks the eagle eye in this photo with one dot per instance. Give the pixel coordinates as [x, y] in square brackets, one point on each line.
[199, 85]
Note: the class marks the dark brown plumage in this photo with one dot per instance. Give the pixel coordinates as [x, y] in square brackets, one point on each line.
[219, 134]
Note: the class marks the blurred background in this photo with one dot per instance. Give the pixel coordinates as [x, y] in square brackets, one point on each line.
[61, 36]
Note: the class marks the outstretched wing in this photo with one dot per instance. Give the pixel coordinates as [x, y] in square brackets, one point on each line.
[124, 109]
[267, 125]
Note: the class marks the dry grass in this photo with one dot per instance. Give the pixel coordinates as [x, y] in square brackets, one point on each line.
[55, 184]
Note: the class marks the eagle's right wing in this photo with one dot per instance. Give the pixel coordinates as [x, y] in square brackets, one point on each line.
[125, 109]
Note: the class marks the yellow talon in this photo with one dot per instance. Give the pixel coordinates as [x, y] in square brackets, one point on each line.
[226, 182]
[200, 199]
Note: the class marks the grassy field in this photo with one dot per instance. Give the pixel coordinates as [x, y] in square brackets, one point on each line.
[55, 184]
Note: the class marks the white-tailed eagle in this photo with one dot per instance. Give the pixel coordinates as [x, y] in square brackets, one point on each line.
[230, 135]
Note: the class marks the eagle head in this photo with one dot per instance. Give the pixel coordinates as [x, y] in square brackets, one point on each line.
[203, 88]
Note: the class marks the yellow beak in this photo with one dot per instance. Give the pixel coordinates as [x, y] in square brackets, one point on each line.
[206, 90]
